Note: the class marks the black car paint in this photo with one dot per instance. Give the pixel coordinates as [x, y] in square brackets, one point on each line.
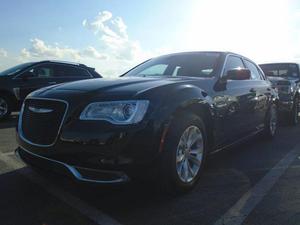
[231, 111]
[17, 87]
[286, 100]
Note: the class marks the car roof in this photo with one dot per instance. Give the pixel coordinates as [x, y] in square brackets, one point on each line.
[279, 63]
[193, 52]
[63, 62]
[224, 53]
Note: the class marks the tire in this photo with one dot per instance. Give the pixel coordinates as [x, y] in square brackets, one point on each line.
[293, 116]
[271, 122]
[170, 179]
[5, 107]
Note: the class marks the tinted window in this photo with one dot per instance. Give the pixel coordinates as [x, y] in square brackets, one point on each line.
[200, 64]
[154, 70]
[280, 70]
[233, 62]
[42, 71]
[15, 69]
[69, 71]
[255, 75]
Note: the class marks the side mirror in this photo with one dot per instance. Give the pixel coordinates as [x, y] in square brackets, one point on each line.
[27, 75]
[238, 74]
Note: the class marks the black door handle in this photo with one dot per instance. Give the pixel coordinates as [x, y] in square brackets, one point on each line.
[252, 90]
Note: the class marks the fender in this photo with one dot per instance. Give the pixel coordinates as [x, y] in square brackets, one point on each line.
[185, 97]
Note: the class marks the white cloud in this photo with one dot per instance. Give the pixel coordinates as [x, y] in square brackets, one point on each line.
[112, 32]
[116, 52]
[93, 53]
[3, 53]
[41, 50]
[25, 53]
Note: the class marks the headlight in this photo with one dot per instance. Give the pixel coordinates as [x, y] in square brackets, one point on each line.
[116, 112]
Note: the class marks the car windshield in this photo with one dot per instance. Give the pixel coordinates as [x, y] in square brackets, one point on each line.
[280, 70]
[15, 69]
[185, 64]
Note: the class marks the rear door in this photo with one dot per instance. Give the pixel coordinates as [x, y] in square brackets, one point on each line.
[67, 73]
[262, 89]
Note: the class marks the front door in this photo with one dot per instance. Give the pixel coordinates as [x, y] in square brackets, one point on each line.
[239, 100]
[35, 78]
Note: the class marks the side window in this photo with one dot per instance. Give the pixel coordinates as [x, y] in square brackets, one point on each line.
[233, 62]
[293, 70]
[154, 70]
[255, 75]
[42, 71]
[69, 71]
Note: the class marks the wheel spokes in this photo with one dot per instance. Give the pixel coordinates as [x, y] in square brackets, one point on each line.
[3, 107]
[189, 154]
[195, 139]
[179, 158]
[196, 161]
[186, 170]
[191, 171]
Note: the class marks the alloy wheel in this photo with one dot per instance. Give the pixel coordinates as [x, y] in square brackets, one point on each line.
[3, 107]
[296, 112]
[189, 154]
[273, 120]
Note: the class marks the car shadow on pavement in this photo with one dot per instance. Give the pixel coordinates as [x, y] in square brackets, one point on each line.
[10, 122]
[226, 177]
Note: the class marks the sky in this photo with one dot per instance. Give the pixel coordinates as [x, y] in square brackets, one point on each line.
[115, 35]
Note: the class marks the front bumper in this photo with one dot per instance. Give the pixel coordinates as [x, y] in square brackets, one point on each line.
[285, 106]
[78, 173]
[96, 145]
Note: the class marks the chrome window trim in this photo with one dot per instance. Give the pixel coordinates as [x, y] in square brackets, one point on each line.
[59, 129]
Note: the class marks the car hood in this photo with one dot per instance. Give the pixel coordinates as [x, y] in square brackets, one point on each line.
[126, 86]
[280, 80]
[283, 80]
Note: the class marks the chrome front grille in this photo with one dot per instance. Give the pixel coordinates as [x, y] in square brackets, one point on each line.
[41, 120]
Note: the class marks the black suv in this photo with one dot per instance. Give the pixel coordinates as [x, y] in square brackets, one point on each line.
[286, 78]
[160, 120]
[17, 82]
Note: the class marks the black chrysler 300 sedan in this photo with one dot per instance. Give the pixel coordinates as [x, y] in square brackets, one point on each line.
[159, 120]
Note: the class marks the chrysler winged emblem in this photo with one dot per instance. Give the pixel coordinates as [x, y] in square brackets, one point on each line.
[39, 110]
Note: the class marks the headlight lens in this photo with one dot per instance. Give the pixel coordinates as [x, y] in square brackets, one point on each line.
[116, 112]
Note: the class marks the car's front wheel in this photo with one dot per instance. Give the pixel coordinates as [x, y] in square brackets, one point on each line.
[183, 154]
[5, 107]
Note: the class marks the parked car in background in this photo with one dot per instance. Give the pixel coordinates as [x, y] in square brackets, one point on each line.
[159, 120]
[286, 77]
[17, 82]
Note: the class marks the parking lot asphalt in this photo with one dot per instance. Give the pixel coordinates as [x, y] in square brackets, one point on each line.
[256, 182]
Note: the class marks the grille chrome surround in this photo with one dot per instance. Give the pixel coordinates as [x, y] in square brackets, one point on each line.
[20, 122]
